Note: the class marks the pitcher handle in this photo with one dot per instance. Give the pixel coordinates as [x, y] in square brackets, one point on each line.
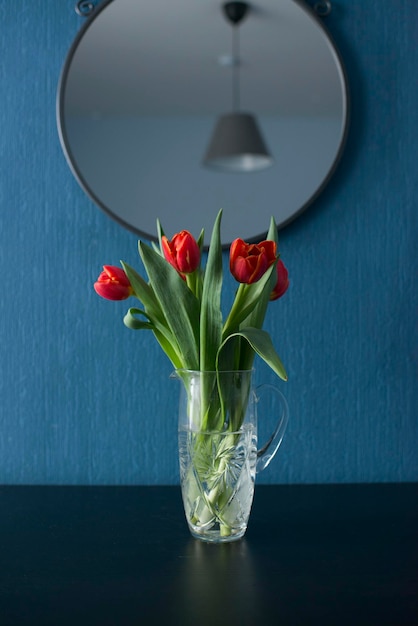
[267, 452]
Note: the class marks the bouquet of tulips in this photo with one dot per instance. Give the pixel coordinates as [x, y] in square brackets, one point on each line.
[181, 305]
[181, 301]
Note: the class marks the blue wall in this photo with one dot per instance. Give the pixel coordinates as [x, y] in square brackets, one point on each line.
[85, 400]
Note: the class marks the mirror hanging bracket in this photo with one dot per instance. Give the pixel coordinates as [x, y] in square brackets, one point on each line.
[84, 8]
[322, 8]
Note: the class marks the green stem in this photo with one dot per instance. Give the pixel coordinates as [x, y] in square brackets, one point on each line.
[236, 307]
[194, 283]
[210, 467]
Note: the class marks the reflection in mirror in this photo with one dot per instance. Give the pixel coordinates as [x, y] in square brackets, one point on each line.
[145, 81]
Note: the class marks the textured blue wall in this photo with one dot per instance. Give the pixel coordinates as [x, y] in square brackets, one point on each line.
[84, 400]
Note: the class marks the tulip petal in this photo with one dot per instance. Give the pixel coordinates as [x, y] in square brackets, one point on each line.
[182, 252]
[282, 282]
[113, 284]
[248, 262]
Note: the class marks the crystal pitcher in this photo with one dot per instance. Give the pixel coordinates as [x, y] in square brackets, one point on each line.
[218, 451]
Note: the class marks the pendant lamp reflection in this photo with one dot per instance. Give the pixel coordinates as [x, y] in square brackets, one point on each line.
[236, 144]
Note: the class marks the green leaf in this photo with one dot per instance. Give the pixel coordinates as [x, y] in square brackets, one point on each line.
[210, 314]
[161, 234]
[272, 232]
[164, 338]
[180, 306]
[201, 239]
[145, 294]
[131, 321]
[262, 345]
[246, 299]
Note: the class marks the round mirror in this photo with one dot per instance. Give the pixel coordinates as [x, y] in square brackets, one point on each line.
[142, 88]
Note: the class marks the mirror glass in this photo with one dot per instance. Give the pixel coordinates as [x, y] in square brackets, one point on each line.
[143, 85]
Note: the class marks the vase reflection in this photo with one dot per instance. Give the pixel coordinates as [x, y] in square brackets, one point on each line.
[210, 575]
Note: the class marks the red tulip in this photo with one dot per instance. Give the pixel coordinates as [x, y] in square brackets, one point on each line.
[182, 252]
[282, 282]
[248, 262]
[113, 284]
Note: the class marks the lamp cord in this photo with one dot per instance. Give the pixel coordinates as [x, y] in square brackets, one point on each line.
[236, 61]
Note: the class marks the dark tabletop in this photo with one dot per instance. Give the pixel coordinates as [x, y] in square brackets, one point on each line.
[345, 554]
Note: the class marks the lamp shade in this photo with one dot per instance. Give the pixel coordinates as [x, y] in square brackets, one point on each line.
[237, 145]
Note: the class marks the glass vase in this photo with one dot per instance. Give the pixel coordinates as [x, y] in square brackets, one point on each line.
[218, 451]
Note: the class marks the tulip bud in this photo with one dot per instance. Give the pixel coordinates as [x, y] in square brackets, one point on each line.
[248, 262]
[182, 252]
[113, 284]
[282, 282]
